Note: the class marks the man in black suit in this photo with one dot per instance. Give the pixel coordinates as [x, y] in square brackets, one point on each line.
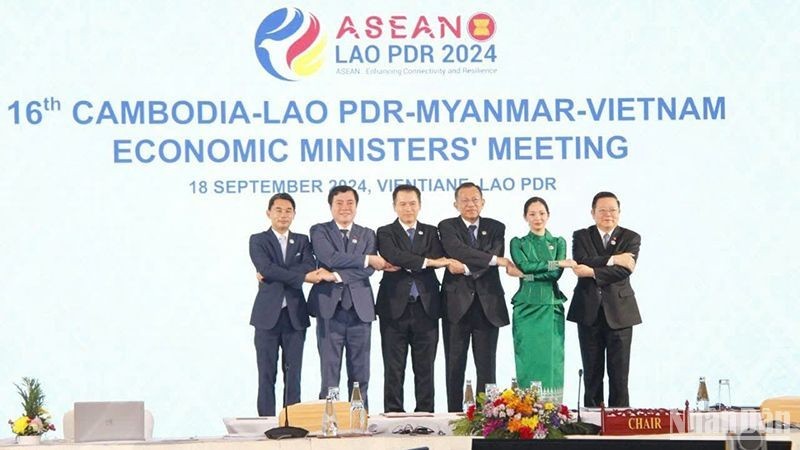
[409, 304]
[283, 260]
[474, 300]
[604, 305]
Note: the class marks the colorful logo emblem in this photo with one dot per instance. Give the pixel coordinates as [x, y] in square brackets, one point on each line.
[289, 45]
[481, 27]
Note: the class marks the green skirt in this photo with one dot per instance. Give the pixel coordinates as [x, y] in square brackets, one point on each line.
[539, 345]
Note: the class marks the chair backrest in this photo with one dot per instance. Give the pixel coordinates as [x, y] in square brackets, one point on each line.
[68, 425]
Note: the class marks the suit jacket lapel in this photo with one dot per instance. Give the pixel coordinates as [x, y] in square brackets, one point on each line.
[275, 246]
[290, 247]
[464, 230]
[615, 239]
[353, 238]
[481, 234]
[402, 235]
[419, 237]
[594, 236]
[335, 235]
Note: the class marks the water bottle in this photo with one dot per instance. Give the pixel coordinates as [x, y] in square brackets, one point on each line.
[329, 426]
[469, 396]
[358, 415]
[702, 395]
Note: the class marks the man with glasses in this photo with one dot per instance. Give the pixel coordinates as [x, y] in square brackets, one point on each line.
[472, 295]
[604, 305]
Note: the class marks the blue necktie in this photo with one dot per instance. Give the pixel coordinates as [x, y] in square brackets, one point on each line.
[344, 238]
[414, 292]
[473, 238]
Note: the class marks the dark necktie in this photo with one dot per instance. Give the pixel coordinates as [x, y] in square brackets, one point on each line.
[473, 238]
[606, 238]
[414, 291]
[347, 299]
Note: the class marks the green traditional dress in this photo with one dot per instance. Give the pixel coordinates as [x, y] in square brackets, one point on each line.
[538, 324]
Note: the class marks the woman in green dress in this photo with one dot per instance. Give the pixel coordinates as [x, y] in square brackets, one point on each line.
[538, 324]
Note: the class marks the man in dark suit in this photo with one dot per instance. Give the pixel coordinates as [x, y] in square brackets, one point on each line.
[283, 260]
[344, 307]
[604, 305]
[474, 300]
[409, 304]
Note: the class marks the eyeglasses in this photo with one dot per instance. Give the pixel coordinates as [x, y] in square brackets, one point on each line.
[470, 201]
[607, 211]
[412, 430]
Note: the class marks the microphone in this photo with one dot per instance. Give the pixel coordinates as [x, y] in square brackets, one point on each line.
[285, 432]
[580, 377]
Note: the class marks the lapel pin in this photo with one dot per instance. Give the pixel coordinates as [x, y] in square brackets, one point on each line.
[291, 241]
[483, 233]
[419, 233]
[298, 254]
[355, 241]
[551, 247]
[613, 241]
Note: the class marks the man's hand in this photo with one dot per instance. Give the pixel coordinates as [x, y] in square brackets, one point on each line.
[513, 271]
[389, 267]
[326, 275]
[456, 267]
[504, 262]
[377, 262]
[313, 277]
[438, 262]
[583, 271]
[625, 260]
[567, 263]
[259, 277]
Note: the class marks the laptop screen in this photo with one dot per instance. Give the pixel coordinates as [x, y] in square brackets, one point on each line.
[109, 421]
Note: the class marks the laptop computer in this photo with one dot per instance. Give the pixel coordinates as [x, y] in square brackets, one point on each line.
[109, 421]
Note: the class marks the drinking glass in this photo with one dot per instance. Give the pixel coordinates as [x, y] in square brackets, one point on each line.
[724, 393]
[491, 391]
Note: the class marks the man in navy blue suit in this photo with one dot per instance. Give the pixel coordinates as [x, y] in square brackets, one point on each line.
[283, 261]
[344, 307]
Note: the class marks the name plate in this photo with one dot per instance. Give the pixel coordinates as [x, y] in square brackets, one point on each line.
[631, 421]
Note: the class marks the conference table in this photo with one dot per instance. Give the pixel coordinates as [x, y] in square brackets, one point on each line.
[247, 433]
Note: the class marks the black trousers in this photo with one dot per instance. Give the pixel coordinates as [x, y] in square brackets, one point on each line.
[419, 331]
[600, 342]
[473, 325]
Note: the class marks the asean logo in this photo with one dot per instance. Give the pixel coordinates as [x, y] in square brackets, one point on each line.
[481, 27]
[289, 44]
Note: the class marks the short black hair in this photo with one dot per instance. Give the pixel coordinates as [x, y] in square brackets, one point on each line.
[604, 194]
[467, 185]
[341, 189]
[281, 196]
[535, 200]
[406, 187]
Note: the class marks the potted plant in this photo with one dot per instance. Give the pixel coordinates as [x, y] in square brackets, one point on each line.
[35, 420]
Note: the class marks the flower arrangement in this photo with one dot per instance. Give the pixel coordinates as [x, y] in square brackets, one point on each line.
[35, 420]
[514, 414]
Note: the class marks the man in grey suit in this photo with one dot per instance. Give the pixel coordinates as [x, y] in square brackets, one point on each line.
[604, 305]
[283, 260]
[344, 307]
